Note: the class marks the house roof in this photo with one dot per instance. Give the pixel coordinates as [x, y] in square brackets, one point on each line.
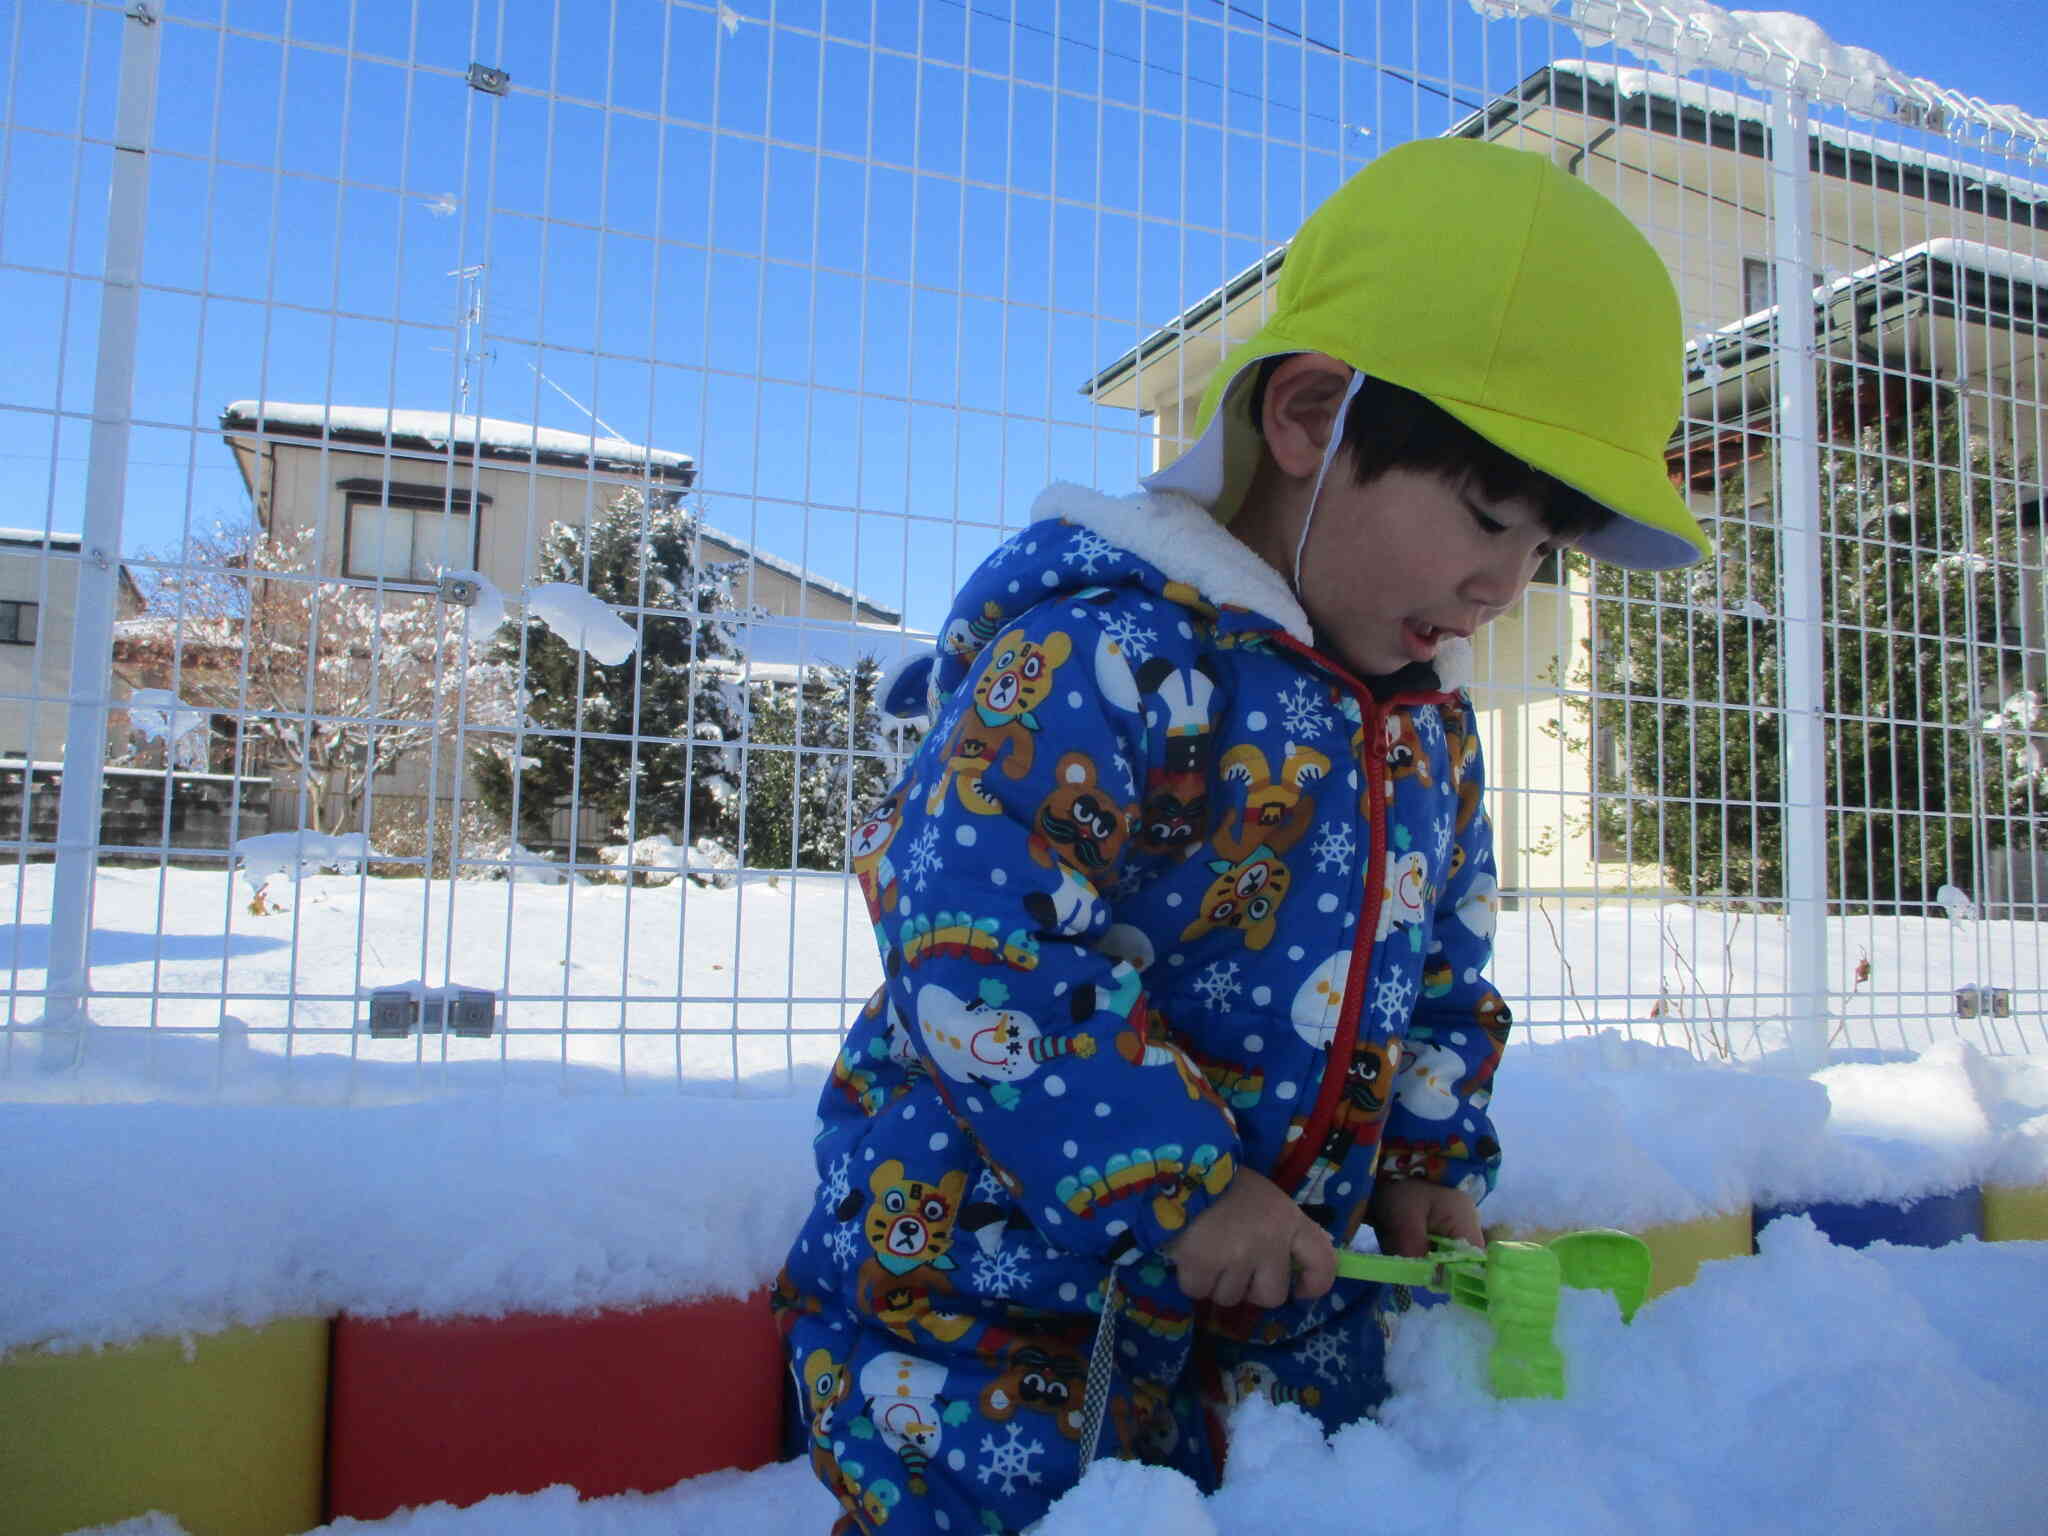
[1980, 289]
[1956, 279]
[24, 540]
[517, 442]
[485, 437]
[874, 611]
[1727, 119]
[1659, 103]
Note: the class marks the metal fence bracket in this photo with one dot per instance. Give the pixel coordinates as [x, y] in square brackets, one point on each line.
[460, 591]
[395, 1012]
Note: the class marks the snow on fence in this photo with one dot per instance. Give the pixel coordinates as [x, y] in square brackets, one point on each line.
[525, 447]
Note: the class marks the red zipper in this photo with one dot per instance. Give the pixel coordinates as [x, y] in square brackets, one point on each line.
[1294, 1166]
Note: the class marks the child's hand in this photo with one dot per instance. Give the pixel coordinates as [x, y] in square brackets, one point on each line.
[1405, 1212]
[1253, 1244]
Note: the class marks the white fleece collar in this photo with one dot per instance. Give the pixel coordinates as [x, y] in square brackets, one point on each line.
[1176, 536]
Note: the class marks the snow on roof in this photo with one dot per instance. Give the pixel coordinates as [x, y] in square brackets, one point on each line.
[1715, 98]
[440, 429]
[1775, 48]
[1973, 255]
[38, 537]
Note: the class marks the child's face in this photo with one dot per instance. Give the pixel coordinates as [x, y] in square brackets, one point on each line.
[1394, 567]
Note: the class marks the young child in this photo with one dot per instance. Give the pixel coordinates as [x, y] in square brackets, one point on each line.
[1185, 904]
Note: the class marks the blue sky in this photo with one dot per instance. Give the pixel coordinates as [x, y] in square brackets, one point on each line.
[845, 276]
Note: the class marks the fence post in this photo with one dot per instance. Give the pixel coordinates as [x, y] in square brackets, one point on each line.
[106, 487]
[1798, 496]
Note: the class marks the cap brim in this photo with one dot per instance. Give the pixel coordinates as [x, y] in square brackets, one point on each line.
[1652, 529]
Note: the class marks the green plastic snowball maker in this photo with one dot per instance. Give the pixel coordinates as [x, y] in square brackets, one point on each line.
[1515, 1285]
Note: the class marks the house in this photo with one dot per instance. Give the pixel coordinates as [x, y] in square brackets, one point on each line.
[391, 498]
[38, 608]
[1924, 269]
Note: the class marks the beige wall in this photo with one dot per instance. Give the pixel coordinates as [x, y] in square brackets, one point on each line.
[29, 575]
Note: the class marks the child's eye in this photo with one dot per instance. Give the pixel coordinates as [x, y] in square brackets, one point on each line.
[1487, 525]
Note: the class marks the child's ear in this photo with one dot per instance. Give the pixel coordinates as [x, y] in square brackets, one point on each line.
[1302, 405]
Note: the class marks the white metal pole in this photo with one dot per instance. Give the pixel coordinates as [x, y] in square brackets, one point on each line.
[106, 486]
[1805, 786]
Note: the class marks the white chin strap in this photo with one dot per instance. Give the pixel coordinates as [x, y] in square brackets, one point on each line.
[1329, 454]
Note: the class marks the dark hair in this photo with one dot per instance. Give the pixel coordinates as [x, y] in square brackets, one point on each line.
[1394, 428]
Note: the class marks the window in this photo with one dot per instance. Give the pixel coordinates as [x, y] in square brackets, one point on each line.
[17, 623]
[408, 532]
[1759, 285]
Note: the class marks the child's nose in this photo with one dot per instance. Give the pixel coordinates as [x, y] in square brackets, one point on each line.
[1494, 587]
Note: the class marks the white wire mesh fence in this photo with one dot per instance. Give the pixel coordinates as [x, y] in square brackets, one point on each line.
[477, 463]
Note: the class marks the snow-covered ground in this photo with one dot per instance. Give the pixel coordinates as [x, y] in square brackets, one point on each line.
[183, 1178]
[658, 984]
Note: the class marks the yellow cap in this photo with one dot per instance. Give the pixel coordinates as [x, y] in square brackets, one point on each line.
[1507, 292]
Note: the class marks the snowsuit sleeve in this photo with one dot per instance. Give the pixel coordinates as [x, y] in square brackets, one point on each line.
[1438, 1128]
[1015, 818]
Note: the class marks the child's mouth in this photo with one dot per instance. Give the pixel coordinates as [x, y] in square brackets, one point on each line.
[1420, 639]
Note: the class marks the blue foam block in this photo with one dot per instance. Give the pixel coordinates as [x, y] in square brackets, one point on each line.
[1928, 1222]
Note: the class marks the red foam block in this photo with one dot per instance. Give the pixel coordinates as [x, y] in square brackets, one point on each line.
[421, 1410]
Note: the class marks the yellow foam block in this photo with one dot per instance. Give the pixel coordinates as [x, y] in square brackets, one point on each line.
[1677, 1249]
[2016, 1211]
[227, 1433]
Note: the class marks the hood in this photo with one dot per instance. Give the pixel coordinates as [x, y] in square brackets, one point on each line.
[1088, 547]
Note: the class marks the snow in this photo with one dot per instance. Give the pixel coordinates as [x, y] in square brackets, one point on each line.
[56, 539]
[1718, 99]
[187, 1177]
[1810, 1389]
[582, 621]
[1771, 48]
[299, 853]
[439, 428]
[158, 714]
[473, 1207]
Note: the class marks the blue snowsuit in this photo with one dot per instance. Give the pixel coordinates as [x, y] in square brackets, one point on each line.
[1164, 893]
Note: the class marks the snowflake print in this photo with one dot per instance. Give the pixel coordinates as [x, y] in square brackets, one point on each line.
[1123, 766]
[843, 1243]
[1304, 709]
[1443, 836]
[924, 860]
[1007, 551]
[1218, 986]
[1131, 637]
[1010, 1458]
[1429, 725]
[1333, 848]
[1087, 548]
[1002, 1273]
[1393, 998]
[988, 1187]
[1323, 1352]
[1127, 884]
[839, 1181]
